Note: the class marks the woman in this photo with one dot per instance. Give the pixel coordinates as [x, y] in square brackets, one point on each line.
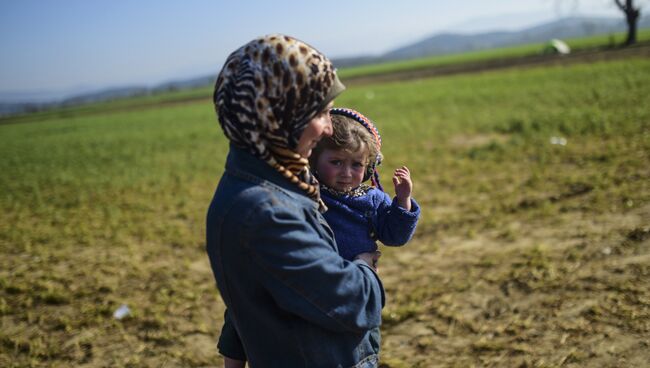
[292, 300]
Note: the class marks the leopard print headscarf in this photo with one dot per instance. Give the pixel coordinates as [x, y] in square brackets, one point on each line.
[266, 94]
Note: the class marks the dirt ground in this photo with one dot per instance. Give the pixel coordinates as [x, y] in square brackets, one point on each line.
[575, 289]
[567, 290]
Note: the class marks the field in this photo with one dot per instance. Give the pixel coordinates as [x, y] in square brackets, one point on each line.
[528, 253]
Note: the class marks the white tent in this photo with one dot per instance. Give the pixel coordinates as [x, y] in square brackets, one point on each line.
[556, 46]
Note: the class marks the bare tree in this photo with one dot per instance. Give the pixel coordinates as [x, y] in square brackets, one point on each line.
[631, 15]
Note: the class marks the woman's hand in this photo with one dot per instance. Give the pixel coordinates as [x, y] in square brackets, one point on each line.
[403, 187]
[371, 258]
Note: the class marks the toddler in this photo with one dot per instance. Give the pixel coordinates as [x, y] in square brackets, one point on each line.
[360, 214]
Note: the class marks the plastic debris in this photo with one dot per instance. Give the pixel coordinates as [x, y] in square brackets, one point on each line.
[559, 141]
[607, 251]
[121, 312]
[556, 46]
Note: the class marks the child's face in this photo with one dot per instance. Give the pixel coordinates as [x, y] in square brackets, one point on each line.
[340, 169]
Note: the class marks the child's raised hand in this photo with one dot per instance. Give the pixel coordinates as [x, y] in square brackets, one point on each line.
[403, 187]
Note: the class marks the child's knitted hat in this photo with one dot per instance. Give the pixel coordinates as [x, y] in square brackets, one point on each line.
[371, 171]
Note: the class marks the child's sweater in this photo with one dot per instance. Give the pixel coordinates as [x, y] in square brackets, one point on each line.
[365, 215]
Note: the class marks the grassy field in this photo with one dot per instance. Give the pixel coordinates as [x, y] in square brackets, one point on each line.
[528, 253]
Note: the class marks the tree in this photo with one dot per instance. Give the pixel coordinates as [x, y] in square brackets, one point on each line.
[631, 15]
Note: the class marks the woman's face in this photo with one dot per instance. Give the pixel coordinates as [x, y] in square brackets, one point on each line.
[319, 126]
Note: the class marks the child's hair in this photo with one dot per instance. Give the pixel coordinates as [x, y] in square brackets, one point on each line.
[350, 135]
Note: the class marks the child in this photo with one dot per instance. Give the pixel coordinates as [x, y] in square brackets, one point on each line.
[360, 214]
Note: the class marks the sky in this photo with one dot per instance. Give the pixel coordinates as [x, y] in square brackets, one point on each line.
[63, 47]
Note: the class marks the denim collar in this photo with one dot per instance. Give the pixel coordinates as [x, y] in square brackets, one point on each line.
[243, 164]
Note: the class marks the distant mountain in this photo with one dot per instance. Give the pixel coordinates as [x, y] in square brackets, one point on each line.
[456, 42]
[39, 102]
[185, 84]
[104, 95]
[113, 93]
[448, 43]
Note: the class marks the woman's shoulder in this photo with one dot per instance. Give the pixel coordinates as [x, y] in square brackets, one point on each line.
[269, 195]
[246, 199]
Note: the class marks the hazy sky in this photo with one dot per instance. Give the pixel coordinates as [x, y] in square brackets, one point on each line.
[66, 45]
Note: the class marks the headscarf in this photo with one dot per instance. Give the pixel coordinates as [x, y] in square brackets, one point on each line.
[265, 95]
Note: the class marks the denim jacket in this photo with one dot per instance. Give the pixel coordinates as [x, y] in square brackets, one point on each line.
[293, 300]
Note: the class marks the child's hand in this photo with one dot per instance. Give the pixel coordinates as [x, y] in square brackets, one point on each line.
[403, 187]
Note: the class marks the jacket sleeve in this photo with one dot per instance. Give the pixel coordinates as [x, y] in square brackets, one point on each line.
[394, 225]
[305, 274]
[229, 344]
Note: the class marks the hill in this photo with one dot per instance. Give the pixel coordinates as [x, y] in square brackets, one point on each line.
[453, 43]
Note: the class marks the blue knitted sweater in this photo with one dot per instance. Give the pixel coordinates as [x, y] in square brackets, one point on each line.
[358, 221]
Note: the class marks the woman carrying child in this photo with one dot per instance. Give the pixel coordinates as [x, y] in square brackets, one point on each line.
[292, 300]
[359, 214]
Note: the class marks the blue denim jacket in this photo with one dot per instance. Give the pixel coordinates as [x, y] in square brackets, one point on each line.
[293, 300]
